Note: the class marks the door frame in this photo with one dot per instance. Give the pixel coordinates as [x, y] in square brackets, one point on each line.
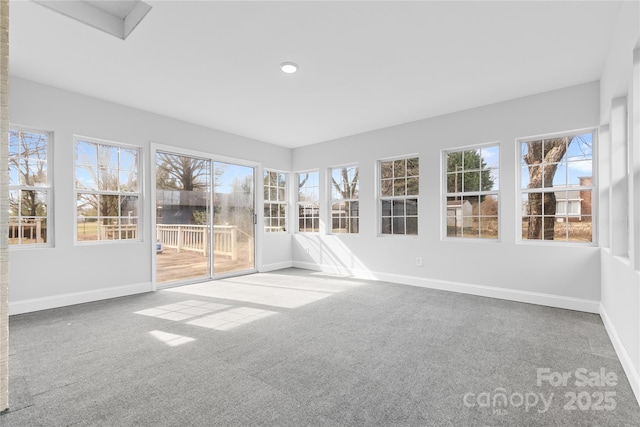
[257, 170]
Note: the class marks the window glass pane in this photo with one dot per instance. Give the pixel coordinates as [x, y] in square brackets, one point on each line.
[14, 173]
[31, 172]
[344, 187]
[454, 182]
[308, 202]
[489, 180]
[399, 179]
[128, 159]
[107, 157]
[129, 206]
[412, 207]
[14, 202]
[531, 227]
[109, 205]
[527, 173]
[471, 160]
[489, 206]
[454, 161]
[552, 145]
[386, 208]
[33, 203]
[412, 225]
[471, 181]
[398, 208]
[413, 167]
[579, 171]
[398, 225]
[87, 154]
[412, 186]
[108, 179]
[399, 187]
[386, 170]
[386, 187]
[400, 168]
[472, 171]
[386, 226]
[128, 181]
[558, 225]
[490, 157]
[579, 230]
[86, 178]
[557, 175]
[489, 227]
[28, 208]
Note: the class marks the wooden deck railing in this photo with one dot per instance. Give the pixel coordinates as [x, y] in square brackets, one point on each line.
[28, 230]
[195, 238]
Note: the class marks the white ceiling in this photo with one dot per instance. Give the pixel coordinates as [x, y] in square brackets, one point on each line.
[363, 65]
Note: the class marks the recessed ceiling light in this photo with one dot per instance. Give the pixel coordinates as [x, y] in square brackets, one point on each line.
[289, 67]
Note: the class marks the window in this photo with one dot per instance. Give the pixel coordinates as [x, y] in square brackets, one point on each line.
[556, 188]
[107, 191]
[275, 201]
[308, 202]
[345, 216]
[399, 196]
[471, 177]
[29, 187]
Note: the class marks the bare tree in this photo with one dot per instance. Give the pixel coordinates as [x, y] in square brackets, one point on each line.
[347, 188]
[174, 172]
[27, 160]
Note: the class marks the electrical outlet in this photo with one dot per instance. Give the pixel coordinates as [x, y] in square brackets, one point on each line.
[419, 261]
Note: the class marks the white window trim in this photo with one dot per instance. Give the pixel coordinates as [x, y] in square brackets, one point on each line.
[139, 193]
[593, 188]
[332, 200]
[285, 202]
[379, 198]
[445, 194]
[49, 187]
[296, 190]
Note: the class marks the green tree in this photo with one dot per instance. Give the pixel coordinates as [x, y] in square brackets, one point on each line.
[467, 171]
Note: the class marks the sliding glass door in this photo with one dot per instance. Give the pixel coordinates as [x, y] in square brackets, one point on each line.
[183, 207]
[205, 218]
[233, 218]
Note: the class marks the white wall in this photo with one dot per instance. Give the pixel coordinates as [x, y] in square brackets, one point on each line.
[557, 274]
[620, 308]
[70, 272]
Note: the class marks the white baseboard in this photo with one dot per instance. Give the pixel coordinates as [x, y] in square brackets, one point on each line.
[275, 266]
[37, 304]
[550, 300]
[625, 360]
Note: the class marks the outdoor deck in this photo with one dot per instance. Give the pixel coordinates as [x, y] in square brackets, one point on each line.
[173, 266]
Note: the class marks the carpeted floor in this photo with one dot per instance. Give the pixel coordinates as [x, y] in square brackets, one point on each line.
[299, 348]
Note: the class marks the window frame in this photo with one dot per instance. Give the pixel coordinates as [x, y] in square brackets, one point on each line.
[479, 193]
[593, 188]
[299, 203]
[381, 198]
[138, 194]
[350, 200]
[48, 188]
[284, 203]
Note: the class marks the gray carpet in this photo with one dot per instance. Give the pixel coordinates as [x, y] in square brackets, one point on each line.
[298, 348]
